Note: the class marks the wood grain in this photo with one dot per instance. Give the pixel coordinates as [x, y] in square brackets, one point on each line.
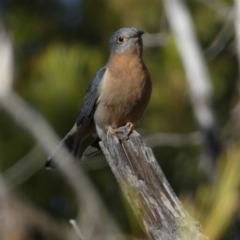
[156, 206]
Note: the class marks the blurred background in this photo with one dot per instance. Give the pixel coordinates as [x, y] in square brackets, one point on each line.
[58, 47]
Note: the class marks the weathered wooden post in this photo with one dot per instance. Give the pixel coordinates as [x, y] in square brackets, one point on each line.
[147, 190]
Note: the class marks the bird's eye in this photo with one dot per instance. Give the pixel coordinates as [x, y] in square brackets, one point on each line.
[121, 39]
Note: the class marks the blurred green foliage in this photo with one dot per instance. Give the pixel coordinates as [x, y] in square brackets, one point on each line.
[60, 44]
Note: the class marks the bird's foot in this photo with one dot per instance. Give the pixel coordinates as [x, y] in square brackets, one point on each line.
[122, 132]
[129, 126]
[113, 131]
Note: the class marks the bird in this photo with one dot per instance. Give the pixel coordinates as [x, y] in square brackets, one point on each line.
[117, 96]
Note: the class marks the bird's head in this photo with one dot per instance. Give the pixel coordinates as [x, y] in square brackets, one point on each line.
[126, 40]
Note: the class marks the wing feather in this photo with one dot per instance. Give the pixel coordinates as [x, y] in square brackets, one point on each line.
[87, 109]
[74, 138]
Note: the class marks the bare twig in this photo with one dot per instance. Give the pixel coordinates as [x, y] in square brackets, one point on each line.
[219, 6]
[6, 62]
[233, 125]
[31, 163]
[154, 40]
[198, 79]
[173, 140]
[237, 29]
[24, 168]
[221, 39]
[77, 229]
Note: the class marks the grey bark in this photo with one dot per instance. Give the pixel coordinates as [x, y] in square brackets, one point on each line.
[147, 190]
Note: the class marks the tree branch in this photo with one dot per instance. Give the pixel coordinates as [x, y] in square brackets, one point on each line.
[154, 40]
[221, 40]
[220, 7]
[237, 29]
[198, 78]
[147, 190]
[174, 140]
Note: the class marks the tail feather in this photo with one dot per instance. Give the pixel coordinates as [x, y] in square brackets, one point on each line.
[72, 141]
[68, 142]
[92, 149]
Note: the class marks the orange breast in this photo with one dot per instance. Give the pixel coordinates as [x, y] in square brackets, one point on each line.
[124, 93]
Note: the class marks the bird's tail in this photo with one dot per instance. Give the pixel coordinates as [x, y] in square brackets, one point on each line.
[92, 149]
[67, 141]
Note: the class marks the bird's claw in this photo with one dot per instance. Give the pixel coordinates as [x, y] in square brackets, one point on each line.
[121, 133]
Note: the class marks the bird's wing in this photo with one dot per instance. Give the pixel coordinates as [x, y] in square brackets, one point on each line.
[87, 109]
[73, 139]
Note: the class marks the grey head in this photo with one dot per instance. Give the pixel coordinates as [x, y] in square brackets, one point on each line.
[126, 39]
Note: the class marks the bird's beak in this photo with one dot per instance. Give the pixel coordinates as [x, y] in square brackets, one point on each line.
[140, 33]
